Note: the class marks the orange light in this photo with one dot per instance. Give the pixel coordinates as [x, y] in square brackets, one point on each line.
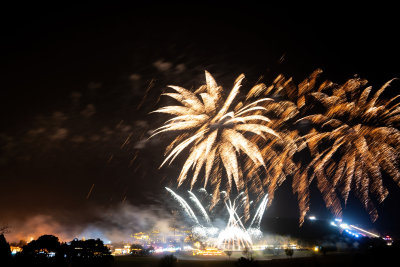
[208, 252]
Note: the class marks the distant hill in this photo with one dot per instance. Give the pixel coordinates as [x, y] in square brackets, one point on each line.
[311, 232]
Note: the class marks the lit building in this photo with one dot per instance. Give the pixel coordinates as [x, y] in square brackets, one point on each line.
[15, 249]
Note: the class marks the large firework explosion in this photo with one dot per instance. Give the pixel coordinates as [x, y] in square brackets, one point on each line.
[292, 103]
[352, 142]
[215, 131]
[352, 138]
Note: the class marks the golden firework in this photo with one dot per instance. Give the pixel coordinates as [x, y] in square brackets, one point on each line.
[215, 132]
[353, 140]
[278, 153]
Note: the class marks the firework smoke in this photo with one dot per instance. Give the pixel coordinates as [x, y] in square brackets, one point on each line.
[232, 235]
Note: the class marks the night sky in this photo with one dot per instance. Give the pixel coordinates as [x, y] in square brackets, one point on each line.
[78, 83]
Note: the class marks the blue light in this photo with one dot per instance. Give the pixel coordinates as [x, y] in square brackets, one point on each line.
[344, 225]
[356, 235]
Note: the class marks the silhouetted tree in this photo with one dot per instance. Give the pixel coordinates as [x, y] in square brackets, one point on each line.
[289, 252]
[87, 249]
[47, 251]
[20, 243]
[5, 252]
[228, 253]
[45, 245]
[4, 229]
[168, 261]
[150, 250]
[247, 252]
[44, 251]
[137, 250]
[91, 252]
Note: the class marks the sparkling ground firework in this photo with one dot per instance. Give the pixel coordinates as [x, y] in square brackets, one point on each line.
[233, 235]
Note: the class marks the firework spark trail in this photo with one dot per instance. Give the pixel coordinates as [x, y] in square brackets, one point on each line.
[363, 137]
[359, 130]
[278, 153]
[203, 211]
[184, 205]
[351, 141]
[126, 141]
[234, 236]
[259, 213]
[234, 218]
[148, 88]
[214, 132]
[90, 191]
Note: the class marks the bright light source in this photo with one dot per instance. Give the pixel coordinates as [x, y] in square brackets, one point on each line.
[365, 231]
[333, 223]
[344, 226]
[316, 248]
[312, 218]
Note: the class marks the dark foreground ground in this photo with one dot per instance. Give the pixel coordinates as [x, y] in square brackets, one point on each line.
[342, 260]
[317, 260]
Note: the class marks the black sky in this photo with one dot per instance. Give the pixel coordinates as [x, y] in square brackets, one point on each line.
[74, 81]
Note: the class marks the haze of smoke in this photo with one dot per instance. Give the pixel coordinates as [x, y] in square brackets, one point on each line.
[115, 224]
[36, 226]
[118, 224]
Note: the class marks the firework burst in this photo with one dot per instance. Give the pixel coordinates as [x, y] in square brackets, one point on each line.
[278, 153]
[352, 142]
[352, 137]
[216, 133]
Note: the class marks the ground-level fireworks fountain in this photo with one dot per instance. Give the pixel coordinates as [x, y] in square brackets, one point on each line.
[233, 235]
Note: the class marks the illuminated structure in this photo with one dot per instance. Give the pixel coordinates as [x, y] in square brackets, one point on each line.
[235, 236]
[141, 236]
[15, 249]
[126, 249]
[353, 230]
[207, 252]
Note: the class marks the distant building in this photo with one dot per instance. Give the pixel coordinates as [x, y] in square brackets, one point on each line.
[15, 250]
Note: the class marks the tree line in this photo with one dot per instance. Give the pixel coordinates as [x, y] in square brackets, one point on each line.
[47, 250]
